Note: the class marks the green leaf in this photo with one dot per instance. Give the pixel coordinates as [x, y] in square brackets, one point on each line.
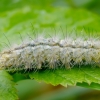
[74, 76]
[7, 89]
[92, 85]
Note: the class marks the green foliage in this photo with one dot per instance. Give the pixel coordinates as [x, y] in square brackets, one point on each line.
[7, 89]
[73, 76]
[22, 15]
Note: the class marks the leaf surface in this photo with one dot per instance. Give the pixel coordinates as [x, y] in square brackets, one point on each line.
[7, 89]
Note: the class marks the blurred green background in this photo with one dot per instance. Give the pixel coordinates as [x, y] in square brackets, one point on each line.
[25, 15]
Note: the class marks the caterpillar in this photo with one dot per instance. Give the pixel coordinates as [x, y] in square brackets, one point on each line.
[51, 53]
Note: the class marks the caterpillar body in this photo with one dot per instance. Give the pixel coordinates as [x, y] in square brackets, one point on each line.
[51, 53]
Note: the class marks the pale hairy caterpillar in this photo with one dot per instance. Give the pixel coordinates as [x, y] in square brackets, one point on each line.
[52, 53]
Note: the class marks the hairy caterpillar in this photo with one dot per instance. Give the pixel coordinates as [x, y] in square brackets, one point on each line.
[51, 53]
